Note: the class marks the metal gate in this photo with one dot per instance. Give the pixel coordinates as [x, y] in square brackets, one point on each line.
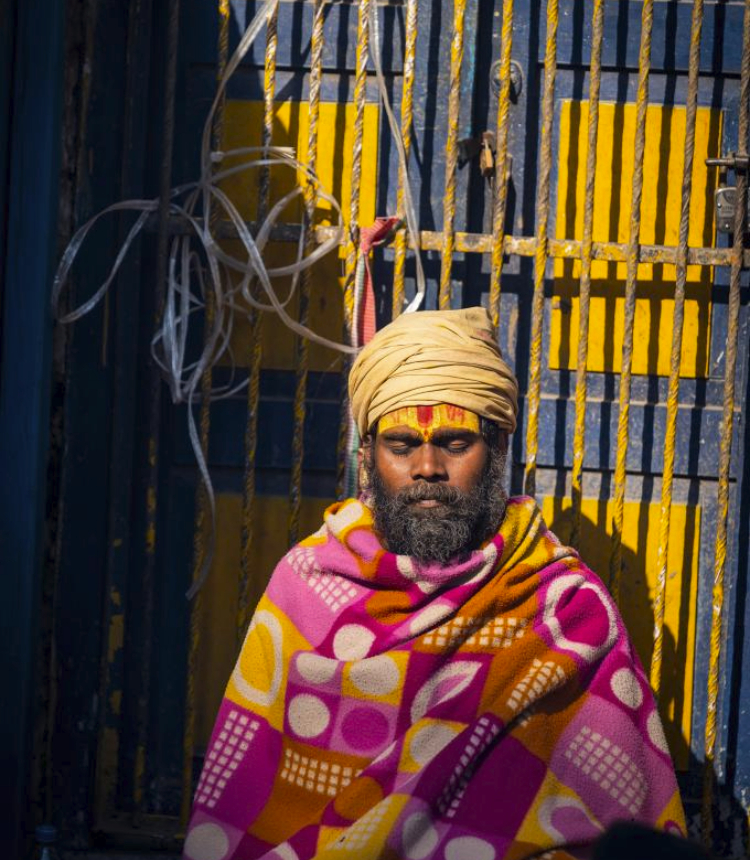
[580, 168]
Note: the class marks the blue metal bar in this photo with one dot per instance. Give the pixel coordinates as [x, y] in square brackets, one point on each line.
[25, 372]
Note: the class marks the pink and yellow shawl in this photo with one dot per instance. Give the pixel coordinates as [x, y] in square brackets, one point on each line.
[490, 709]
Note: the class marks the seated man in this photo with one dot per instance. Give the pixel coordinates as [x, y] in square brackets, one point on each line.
[431, 674]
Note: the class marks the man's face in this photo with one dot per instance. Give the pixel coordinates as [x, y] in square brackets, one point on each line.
[436, 483]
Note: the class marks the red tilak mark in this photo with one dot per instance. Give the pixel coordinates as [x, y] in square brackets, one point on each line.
[424, 415]
[455, 413]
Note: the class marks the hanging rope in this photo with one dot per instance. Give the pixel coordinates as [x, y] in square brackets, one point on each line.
[364, 326]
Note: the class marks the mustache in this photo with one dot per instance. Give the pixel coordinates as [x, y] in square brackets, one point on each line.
[424, 492]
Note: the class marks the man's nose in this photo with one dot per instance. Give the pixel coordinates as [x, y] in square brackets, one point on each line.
[428, 464]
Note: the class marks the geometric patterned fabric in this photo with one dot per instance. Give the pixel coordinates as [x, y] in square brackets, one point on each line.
[492, 708]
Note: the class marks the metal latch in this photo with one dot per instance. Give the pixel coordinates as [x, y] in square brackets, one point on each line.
[725, 196]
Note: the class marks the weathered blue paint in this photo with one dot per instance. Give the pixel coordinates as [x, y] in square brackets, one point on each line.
[7, 33]
[97, 552]
[721, 42]
[32, 123]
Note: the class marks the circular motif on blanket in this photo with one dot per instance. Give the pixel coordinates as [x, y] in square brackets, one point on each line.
[314, 668]
[674, 828]
[283, 852]
[463, 847]
[566, 819]
[352, 642]
[377, 676]
[490, 553]
[589, 640]
[428, 741]
[625, 686]
[364, 728]
[490, 557]
[656, 732]
[419, 836]
[265, 698]
[347, 515]
[207, 842]
[406, 568]
[429, 617]
[308, 715]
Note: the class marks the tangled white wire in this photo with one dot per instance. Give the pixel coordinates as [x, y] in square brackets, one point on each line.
[193, 274]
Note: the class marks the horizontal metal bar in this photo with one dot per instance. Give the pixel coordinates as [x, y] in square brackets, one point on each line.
[354, 2]
[570, 249]
[521, 246]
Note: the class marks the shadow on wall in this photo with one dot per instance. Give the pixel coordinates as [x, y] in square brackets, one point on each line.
[637, 586]
[730, 822]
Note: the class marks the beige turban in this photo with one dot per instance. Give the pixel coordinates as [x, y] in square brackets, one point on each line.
[431, 357]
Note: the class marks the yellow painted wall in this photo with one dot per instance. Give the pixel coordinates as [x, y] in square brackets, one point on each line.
[243, 124]
[660, 218]
[638, 583]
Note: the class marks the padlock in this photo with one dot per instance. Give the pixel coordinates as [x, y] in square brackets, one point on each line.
[487, 154]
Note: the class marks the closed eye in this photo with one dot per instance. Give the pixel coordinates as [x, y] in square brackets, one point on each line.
[401, 445]
[454, 444]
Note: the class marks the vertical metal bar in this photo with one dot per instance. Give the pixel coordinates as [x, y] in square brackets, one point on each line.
[248, 496]
[540, 258]
[451, 153]
[303, 348]
[407, 111]
[269, 94]
[676, 354]
[644, 68]
[154, 415]
[123, 416]
[203, 513]
[579, 440]
[256, 346]
[501, 158]
[725, 449]
[360, 94]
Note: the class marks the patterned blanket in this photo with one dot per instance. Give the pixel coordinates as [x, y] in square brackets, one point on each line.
[490, 709]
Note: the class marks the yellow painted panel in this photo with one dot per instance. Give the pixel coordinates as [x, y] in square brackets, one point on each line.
[660, 220]
[218, 622]
[243, 124]
[638, 584]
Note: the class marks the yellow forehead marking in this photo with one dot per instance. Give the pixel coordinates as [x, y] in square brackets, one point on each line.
[425, 420]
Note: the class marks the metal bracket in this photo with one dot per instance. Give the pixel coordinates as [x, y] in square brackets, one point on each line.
[516, 79]
[726, 198]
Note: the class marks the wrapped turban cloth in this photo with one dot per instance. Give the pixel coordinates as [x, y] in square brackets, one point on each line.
[431, 357]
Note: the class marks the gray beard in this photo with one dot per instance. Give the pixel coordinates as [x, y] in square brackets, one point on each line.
[441, 534]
